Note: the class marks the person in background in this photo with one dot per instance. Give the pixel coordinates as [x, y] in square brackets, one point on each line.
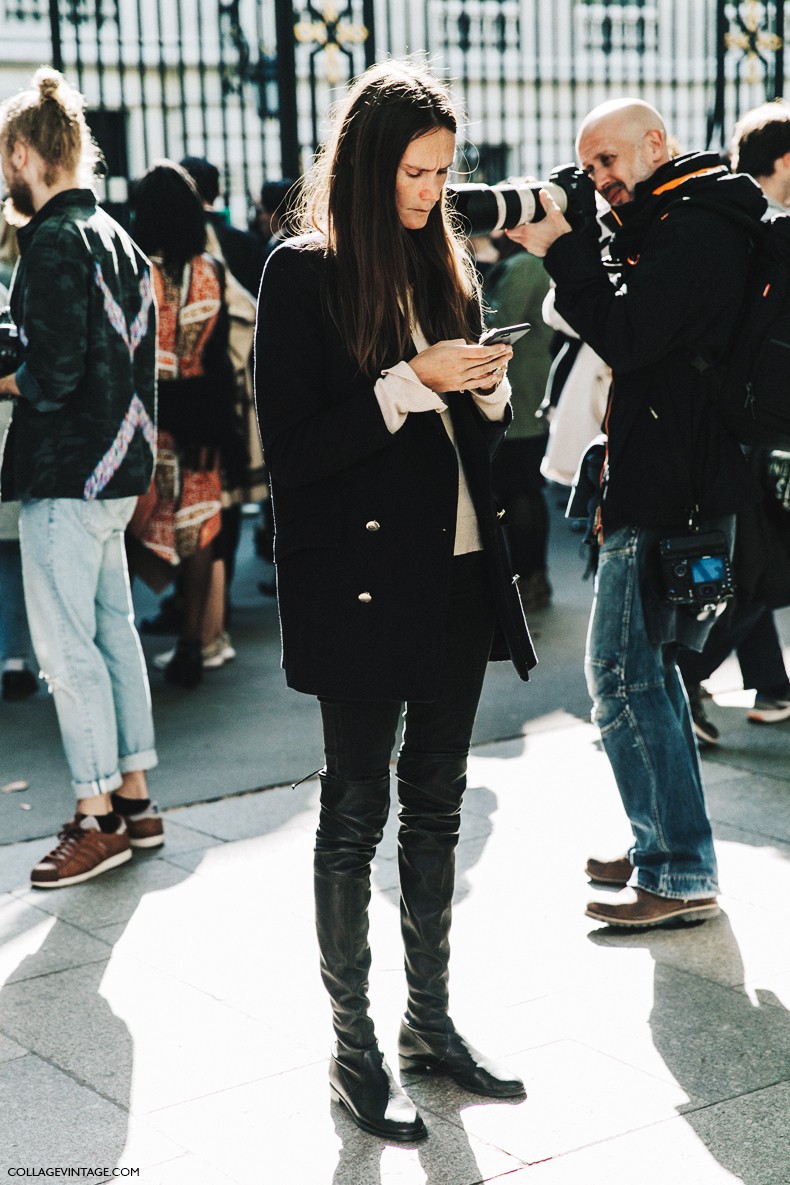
[275, 213]
[9, 253]
[514, 290]
[18, 681]
[178, 519]
[379, 415]
[79, 450]
[761, 148]
[248, 485]
[240, 249]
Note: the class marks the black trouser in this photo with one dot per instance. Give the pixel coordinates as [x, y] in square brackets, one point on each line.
[750, 630]
[431, 770]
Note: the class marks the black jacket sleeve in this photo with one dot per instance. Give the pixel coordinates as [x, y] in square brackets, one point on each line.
[317, 417]
[677, 291]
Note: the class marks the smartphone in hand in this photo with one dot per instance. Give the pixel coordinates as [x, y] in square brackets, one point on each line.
[507, 334]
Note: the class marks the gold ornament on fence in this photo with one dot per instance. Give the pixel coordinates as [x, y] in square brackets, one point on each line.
[333, 33]
[752, 40]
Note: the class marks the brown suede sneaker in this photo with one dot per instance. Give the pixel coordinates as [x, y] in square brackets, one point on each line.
[84, 851]
[145, 827]
[610, 872]
[643, 909]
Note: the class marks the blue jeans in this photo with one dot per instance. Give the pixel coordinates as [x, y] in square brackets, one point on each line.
[640, 706]
[14, 634]
[81, 620]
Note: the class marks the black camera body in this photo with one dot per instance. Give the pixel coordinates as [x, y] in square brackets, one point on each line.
[10, 347]
[696, 569]
[485, 208]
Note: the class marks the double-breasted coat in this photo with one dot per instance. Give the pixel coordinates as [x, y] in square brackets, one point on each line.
[364, 518]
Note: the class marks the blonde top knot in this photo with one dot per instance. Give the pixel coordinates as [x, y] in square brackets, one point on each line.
[48, 82]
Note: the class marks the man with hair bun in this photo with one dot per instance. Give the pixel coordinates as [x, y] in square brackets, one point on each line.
[79, 451]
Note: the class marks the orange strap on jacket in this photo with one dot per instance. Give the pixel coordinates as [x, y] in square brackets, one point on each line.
[681, 180]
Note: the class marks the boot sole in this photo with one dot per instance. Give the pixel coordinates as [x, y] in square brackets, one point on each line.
[407, 1066]
[689, 917]
[373, 1129]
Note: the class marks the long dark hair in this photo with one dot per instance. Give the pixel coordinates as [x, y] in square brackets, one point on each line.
[168, 216]
[382, 271]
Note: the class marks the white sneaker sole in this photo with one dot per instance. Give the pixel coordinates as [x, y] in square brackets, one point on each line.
[704, 737]
[209, 664]
[105, 866]
[768, 715]
[219, 660]
[149, 841]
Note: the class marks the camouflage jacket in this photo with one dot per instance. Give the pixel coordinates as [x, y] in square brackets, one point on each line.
[84, 425]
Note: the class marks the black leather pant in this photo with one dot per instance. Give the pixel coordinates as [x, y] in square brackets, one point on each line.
[355, 795]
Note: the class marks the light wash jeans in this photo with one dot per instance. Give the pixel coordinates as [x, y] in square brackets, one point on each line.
[640, 706]
[14, 634]
[81, 618]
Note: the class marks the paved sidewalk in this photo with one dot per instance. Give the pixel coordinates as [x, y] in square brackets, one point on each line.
[243, 729]
[169, 1017]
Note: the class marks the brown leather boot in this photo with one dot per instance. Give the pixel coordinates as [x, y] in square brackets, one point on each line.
[642, 910]
[610, 872]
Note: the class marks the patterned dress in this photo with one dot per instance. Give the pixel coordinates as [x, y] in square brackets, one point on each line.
[180, 514]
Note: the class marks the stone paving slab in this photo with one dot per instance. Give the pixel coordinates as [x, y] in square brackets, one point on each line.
[34, 943]
[50, 1119]
[755, 802]
[670, 1151]
[174, 1005]
[263, 1123]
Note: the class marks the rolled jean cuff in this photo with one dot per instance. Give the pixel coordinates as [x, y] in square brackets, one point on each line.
[683, 888]
[97, 786]
[134, 762]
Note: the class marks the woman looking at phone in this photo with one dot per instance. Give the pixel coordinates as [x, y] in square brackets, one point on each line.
[379, 415]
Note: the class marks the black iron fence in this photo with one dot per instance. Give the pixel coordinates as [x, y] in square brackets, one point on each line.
[248, 83]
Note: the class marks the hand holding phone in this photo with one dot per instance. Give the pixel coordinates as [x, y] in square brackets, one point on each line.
[507, 334]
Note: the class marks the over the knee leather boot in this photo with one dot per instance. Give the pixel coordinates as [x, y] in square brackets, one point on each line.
[431, 789]
[351, 823]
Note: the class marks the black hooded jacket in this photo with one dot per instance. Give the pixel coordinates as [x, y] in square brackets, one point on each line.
[683, 272]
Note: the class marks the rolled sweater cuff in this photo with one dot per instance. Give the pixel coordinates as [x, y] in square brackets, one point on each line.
[399, 392]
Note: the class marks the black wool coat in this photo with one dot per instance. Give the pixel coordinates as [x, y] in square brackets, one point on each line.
[684, 269]
[364, 518]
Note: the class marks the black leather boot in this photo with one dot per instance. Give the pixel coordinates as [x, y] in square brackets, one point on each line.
[351, 823]
[446, 1051]
[431, 790]
[362, 1081]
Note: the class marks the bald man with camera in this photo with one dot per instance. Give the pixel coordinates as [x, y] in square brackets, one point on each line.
[671, 484]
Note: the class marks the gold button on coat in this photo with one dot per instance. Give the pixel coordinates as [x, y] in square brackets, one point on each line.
[365, 598]
[372, 525]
